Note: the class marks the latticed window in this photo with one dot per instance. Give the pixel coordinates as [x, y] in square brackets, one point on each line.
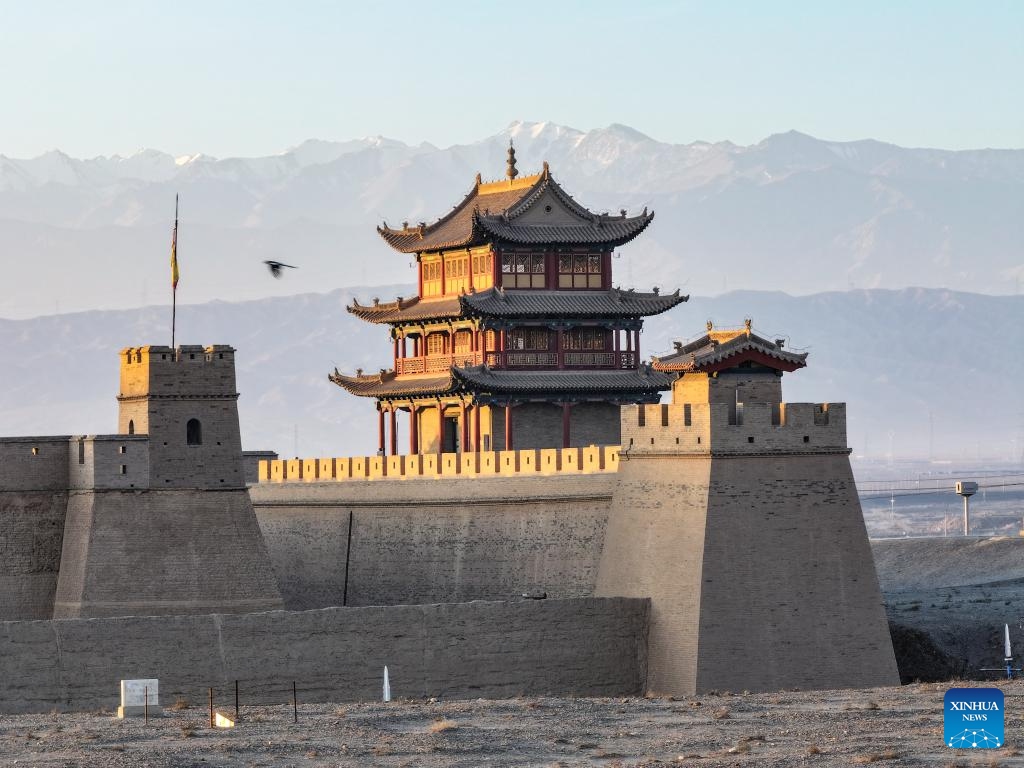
[579, 270]
[529, 339]
[456, 267]
[522, 270]
[462, 341]
[436, 343]
[456, 274]
[432, 278]
[482, 264]
[584, 338]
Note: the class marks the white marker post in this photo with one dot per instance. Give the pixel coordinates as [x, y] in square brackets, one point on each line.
[138, 696]
[387, 686]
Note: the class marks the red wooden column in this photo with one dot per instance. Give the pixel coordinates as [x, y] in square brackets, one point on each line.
[397, 347]
[476, 426]
[380, 430]
[464, 427]
[414, 442]
[394, 431]
[508, 427]
[440, 427]
[636, 343]
[565, 424]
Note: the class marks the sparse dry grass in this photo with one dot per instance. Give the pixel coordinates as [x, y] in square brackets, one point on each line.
[813, 749]
[876, 757]
[179, 704]
[440, 726]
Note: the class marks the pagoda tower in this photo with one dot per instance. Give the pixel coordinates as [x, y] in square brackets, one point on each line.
[517, 337]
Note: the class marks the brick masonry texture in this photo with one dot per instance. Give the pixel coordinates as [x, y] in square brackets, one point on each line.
[431, 540]
[759, 572]
[586, 647]
[160, 552]
[31, 535]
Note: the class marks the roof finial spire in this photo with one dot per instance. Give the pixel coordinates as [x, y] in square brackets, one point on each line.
[511, 171]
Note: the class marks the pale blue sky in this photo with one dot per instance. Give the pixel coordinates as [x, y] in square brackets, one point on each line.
[252, 78]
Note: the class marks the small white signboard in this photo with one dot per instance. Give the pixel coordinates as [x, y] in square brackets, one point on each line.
[135, 694]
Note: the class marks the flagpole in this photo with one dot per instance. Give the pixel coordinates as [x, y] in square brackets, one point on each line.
[174, 272]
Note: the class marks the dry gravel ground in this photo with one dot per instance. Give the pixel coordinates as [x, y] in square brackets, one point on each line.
[885, 726]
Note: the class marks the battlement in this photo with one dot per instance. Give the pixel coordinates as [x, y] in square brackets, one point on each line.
[216, 354]
[593, 459]
[190, 370]
[742, 428]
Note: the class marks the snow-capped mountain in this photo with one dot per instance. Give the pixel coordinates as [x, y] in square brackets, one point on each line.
[790, 213]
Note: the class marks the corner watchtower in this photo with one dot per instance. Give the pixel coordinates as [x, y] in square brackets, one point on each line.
[185, 400]
[738, 516]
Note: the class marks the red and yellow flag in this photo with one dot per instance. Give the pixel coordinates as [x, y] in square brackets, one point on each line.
[174, 260]
[174, 249]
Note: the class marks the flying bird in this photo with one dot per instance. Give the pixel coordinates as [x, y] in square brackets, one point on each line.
[275, 267]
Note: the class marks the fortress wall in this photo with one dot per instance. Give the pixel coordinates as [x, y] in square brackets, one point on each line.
[752, 428]
[162, 552]
[421, 541]
[33, 500]
[108, 461]
[594, 424]
[758, 569]
[588, 647]
[655, 547]
[788, 577]
[34, 463]
[31, 533]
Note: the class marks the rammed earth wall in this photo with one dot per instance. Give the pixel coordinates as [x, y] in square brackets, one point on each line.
[385, 542]
[588, 647]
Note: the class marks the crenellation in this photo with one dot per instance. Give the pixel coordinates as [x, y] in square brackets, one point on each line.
[185, 400]
[593, 459]
[753, 428]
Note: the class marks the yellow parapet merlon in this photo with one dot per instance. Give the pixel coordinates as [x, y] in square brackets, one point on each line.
[593, 459]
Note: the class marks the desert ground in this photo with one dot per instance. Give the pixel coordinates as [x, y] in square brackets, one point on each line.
[887, 726]
[959, 592]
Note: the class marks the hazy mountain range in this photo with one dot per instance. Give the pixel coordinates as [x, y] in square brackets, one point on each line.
[925, 372]
[792, 213]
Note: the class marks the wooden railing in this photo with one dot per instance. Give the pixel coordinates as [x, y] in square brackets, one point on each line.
[518, 359]
[604, 360]
[437, 363]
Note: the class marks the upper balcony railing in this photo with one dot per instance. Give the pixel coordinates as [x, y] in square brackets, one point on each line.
[437, 363]
[519, 360]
